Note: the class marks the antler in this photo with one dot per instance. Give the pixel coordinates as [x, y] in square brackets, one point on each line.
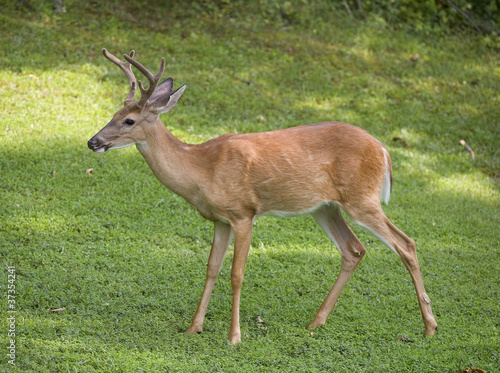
[153, 79]
[127, 69]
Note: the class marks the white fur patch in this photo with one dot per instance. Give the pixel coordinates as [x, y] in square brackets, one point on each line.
[323, 221]
[385, 193]
[291, 214]
[121, 146]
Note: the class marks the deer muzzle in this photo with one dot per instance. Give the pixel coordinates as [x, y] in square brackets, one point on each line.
[96, 145]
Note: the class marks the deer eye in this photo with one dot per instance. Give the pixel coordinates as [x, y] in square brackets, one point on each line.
[130, 122]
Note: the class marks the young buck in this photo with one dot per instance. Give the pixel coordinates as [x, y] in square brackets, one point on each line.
[315, 169]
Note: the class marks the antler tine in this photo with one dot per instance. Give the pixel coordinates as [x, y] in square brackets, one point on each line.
[153, 79]
[127, 69]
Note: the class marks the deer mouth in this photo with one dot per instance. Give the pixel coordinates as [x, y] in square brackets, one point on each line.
[101, 149]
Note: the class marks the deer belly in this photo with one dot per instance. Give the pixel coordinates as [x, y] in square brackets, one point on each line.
[292, 213]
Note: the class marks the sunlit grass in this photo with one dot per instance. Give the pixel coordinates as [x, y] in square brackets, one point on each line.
[463, 185]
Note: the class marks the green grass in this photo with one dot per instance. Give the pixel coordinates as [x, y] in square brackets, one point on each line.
[127, 258]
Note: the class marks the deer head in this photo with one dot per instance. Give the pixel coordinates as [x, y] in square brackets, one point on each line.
[128, 124]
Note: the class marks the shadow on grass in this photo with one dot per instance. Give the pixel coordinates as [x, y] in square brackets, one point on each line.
[353, 73]
[235, 77]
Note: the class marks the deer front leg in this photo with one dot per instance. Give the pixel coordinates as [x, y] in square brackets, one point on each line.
[242, 239]
[222, 236]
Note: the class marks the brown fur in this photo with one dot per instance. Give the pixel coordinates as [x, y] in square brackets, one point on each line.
[316, 168]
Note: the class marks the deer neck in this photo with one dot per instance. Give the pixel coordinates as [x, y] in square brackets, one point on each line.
[170, 160]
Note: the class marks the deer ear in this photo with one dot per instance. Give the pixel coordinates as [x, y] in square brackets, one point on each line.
[166, 100]
[162, 90]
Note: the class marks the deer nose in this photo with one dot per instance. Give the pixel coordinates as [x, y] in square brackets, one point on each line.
[92, 143]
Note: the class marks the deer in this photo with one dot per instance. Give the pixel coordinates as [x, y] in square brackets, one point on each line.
[318, 169]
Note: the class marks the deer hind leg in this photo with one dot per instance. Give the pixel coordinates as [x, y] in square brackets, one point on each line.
[377, 222]
[222, 236]
[352, 251]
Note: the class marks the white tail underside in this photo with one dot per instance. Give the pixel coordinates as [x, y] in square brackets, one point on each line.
[385, 194]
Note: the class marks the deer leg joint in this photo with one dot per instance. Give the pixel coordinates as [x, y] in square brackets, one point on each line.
[356, 248]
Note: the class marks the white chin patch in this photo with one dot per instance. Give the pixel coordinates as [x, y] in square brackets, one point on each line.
[121, 146]
[100, 150]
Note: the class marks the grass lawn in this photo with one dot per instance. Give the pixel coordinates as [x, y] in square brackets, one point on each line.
[125, 259]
